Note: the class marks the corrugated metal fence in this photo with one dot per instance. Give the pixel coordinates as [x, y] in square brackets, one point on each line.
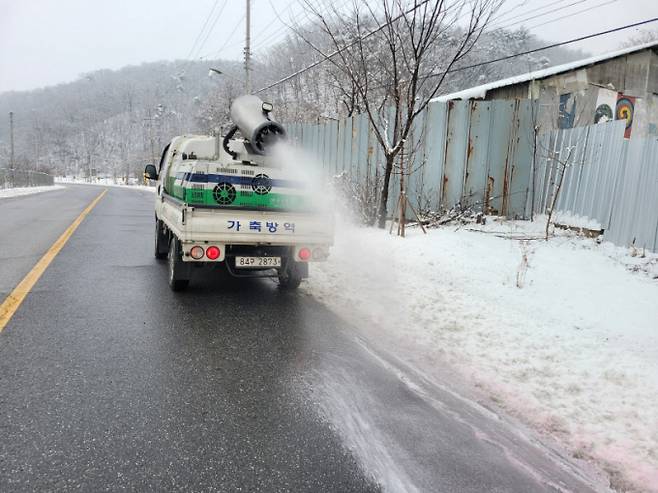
[480, 154]
[460, 152]
[634, 218]
[10, 178]
[607, 178]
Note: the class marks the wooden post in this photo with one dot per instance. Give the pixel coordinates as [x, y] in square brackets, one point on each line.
[403, 196]
[393, 217]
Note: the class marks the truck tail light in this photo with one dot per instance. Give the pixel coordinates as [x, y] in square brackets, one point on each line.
[304, 254]
[212, 252]
[196, 252]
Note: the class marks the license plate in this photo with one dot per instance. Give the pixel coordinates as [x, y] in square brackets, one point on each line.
[257, 262]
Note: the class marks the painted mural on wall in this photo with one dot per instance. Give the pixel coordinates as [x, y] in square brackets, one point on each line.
[566, 116]
[625, 110]
[606, 103]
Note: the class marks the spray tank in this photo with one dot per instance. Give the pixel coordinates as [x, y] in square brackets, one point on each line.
[251, 116]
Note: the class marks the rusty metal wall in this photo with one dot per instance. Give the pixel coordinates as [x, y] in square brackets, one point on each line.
[482, 155]
[463, 153]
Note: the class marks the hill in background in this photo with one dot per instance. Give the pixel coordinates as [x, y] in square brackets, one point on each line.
[115, 121]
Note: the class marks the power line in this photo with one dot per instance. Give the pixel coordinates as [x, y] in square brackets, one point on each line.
[496, 20]
[271, 37]
[574, 13]
[186, 64]
[336, 52]
[502, 21]
[259, 40]
[458, 69]
[203, 28]
[219, 14]
[275, 34]
[228, 39]
[547, 47]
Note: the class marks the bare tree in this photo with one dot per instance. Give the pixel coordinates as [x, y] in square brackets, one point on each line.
[561, 166]
[553, 159]
[398, 66]
[641, 37]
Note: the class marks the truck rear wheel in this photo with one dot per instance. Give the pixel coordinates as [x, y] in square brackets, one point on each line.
[178, 271]
[291, 277]
[161, 241]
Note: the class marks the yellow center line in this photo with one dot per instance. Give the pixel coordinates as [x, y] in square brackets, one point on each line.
[16, 297]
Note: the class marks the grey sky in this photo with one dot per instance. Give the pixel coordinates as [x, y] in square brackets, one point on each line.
[46, 42]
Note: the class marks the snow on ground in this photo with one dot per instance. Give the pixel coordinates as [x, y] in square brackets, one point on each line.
[105, 182]
[18, 191]
[566, 340]
[574, 221]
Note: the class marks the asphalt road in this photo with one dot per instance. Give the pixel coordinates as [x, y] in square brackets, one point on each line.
[110, 381]
[30, 224]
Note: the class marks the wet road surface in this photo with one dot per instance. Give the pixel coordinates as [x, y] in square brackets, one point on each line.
[30, 224]
[108, 381]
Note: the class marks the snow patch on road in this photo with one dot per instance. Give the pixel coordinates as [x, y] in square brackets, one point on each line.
[346, 405]
[572, 351]
[20, 191]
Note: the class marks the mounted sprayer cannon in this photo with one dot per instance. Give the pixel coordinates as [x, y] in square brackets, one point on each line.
[252, 117]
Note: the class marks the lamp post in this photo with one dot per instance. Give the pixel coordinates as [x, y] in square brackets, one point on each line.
[247, 50]
[219, 72]
[11, 139]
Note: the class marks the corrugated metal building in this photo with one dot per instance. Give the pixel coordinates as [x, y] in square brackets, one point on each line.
[621, 85]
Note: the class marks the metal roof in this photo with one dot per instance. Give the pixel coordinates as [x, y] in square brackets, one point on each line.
[480, 92]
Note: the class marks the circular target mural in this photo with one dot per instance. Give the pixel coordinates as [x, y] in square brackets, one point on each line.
[625, 110]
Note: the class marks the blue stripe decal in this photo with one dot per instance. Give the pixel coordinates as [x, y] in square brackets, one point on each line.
[238, 180]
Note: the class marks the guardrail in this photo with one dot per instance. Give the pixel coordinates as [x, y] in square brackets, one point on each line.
[13, 178]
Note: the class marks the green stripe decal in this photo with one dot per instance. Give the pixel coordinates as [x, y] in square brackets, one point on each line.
[242, 198]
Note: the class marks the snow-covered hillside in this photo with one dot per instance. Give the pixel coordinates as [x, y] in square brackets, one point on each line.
[562, 334]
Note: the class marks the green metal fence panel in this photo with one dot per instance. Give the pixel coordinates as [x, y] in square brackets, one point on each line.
[520, 157]
[634, 219]
[486, 155]
[501, 130]
[414, 161]
[477, 154]
[362, 148]
[456, 148]
[436, 127]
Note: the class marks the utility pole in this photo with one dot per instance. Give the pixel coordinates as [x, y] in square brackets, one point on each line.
[150, 119]
[11, 140]
[247, 51]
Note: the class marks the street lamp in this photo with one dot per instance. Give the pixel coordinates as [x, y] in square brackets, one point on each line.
[219, 72]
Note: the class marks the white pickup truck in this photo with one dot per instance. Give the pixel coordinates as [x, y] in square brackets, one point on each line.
[234, 206]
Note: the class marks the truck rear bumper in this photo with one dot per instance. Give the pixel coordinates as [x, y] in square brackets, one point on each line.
[239, 227]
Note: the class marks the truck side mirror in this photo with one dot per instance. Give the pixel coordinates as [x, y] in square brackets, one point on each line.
[150, 172]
